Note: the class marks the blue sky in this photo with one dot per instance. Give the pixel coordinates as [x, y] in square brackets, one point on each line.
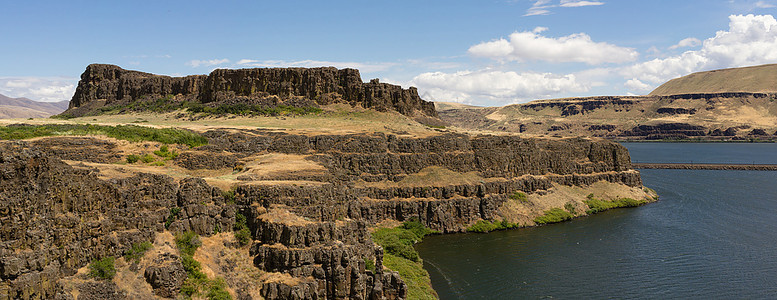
[477, 52]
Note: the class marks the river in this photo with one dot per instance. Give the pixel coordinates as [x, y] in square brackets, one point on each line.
[712, 235]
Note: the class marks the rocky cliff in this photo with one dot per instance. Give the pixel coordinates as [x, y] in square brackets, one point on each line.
[105, 85]
[66, 202]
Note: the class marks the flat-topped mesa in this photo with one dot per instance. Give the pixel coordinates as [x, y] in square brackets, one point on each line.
[323, 85]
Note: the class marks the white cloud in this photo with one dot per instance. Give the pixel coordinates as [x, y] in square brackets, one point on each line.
[363, 67]
[488, 86]
[750, 40]
[530, 45]
[636, 85]
[688, 42]
[542, 7]
[762, 4]
[572, 3]
[207, 63]
[47, 89]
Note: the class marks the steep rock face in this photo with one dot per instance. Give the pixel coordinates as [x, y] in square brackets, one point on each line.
[314, 237]
[323, 85]
[378, 156]
[58, 218]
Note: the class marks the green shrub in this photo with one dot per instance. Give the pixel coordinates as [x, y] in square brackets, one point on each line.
[240, 222]
[187, 243]
[554, 215]
[596, 206]
[193, 267]
[147, 158]
[158, 163]
[216, 290]
[174, 212]
[102, 268]
[136, 252]
[570, 207]
[132, 158]
[164, 152]
[369, 265]
[243, 236]
[229, 196]
[241, 231]
[519, 196]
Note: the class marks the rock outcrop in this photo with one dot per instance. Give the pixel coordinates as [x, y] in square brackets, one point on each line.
[104, 85]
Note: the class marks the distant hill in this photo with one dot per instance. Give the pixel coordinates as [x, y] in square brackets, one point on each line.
[25, 108]
[757, 79]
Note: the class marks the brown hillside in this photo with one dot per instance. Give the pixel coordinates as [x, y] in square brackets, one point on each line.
[757, 79]
[25, 108]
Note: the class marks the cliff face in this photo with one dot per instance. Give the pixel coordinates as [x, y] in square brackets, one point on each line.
[321, 85]
[311, 228]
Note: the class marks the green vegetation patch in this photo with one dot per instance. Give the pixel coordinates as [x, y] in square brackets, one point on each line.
[102, 268]
[554, 215]
[399, 241]
[485, 226]
[596, 206]
[164, 152]
[419, 285]
[136, 252]
[399, 255]
[241, 231]
[187, 242]
[244, 109]
[519, 196]
[132, 133]
[197, 283]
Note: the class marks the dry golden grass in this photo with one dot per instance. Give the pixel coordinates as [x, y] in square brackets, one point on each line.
[335, 119]
[748, 79]
[524, 213]
[281, 215]
[430, 176]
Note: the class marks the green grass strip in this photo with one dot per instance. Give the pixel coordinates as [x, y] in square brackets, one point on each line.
[132, 133]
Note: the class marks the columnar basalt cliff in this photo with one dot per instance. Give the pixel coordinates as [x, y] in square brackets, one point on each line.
[60, 216]
[103, 85]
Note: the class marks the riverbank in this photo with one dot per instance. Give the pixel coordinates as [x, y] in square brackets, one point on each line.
[706, 166]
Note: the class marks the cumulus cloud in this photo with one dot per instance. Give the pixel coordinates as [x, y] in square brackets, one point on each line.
[207, 63]
[47, 89]
[542, 7]
[750, 40]
[494, 86]
[531, 45]
[689, 42]
[636, 85]
[363, 67]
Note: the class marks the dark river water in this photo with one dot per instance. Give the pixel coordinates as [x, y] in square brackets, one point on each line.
[712, 235]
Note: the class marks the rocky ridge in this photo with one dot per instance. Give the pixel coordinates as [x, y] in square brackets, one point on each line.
[709, 116]
[109, 85]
